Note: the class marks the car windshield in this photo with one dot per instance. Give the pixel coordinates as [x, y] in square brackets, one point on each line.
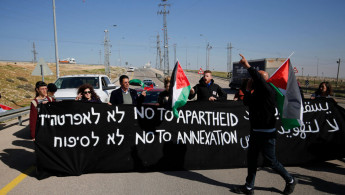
[148, 83]
[151, 96]
[76, 82]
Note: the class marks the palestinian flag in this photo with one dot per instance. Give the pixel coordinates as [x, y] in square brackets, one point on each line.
[148, 88]
[179, 89]
[136, 82]
[4, 108]
[289, 100]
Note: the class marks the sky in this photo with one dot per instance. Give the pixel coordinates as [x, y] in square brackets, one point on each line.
[314, 30]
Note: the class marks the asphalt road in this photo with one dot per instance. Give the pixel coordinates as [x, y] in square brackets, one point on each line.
[18, 172]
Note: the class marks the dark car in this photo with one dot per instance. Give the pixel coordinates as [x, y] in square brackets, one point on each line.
[151, 95]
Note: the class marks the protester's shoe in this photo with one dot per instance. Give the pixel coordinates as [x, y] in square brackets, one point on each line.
[290, 187]
[243, 190]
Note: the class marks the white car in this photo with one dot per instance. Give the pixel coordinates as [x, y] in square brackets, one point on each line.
[130, 69]
[68, 86]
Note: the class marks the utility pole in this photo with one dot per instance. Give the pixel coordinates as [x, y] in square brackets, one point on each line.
[106, 53]
[120, 58]
[338, 71]
[208, 48]
[56, 45]
[317, 68]
[165, 28]
[159, 55]
[186, 58]
[175, 59]
[302, 71]
[34, 52]
[206, 65]
[229, 57]
[197, 58]
[100, 56]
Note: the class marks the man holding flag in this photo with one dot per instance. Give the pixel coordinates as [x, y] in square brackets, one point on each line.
[262, 105]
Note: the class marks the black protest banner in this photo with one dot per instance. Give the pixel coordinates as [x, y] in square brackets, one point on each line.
[74, 138]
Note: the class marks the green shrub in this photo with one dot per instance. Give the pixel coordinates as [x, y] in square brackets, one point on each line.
[22, 79]
[10, 80]
[26, 87]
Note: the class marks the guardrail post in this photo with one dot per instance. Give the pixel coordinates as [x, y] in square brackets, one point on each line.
[20, 120]
[15, 113]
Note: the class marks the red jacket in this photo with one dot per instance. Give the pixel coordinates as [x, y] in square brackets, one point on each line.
[34, 115]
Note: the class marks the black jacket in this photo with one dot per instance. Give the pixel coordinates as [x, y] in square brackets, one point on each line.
[116, 97]
[161, 98]
[261, 103]
[204, 92]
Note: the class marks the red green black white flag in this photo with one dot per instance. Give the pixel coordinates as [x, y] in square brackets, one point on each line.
[289, 100]
[179, 89]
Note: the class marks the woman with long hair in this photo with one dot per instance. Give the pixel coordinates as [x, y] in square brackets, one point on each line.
[324, 90]
[86, 93]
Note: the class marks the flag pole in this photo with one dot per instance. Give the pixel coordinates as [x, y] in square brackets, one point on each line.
[283, 63]
[291, 55]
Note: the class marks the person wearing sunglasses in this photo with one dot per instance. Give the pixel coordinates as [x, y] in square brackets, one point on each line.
[86, 93]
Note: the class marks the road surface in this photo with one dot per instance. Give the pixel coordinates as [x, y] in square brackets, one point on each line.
[17, 168]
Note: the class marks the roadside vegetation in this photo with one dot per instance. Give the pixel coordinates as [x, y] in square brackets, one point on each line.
[17, 85]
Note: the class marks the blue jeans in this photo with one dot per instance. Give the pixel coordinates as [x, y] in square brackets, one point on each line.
[260, 142]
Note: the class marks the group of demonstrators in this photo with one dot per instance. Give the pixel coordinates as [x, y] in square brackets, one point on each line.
[206, 90]
[323, 91]
[256, 93]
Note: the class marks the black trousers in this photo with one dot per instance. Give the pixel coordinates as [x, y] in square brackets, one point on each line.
[266, 144]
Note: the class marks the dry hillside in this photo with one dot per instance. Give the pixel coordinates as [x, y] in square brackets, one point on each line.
[17, 84]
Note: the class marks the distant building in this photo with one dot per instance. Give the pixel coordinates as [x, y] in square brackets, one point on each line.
[147, 65]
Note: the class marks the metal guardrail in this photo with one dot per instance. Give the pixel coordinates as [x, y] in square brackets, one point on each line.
[15, 113]
[221, 78]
